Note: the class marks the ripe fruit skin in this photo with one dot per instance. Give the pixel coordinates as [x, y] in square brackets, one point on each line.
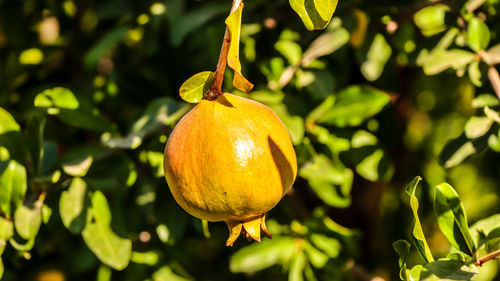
[230, 159]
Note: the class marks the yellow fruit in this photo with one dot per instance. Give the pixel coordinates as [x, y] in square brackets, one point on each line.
[230, 159]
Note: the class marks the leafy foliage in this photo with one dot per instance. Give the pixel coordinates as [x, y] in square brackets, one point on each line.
[379, 93]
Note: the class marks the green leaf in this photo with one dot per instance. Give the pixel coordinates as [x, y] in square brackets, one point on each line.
[11, 137]
[492, 55]
[257, 257]
[440, 60]
[325, 44]
[35, 129]
[13, 186]
[431, 19]
[402, 247]
[293, 123]
[111, 249]
[452, 219]
[315, 14]
[484, 226]
[375, 166]
[193, 90]
[461, 148]
[297, 267]
[376, 58]
[233, 23]
[478, 35]
[6, 229]
[290, 50]
[106, 42]
[353, 106]
[165, 273]
[317, 258]
[492, 114]
[485, 100]
[72, 207]
[415, 272]
[71, 110]
[475, 74]
[148, 258]
[27, 220]
[328, 245]
[57, 97]
[162, 111]
[477, 126]
[447, 270]
[330, 183]
[417, 234]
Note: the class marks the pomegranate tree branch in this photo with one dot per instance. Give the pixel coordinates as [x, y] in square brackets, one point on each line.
[216, 88]
[488, 257]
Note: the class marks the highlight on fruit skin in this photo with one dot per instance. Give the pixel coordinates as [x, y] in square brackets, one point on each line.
[230, 159]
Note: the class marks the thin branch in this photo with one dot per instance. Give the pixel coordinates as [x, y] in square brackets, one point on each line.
[488, 257]
[216, 88]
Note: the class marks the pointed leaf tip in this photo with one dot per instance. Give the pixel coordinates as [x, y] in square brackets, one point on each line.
[233, 22]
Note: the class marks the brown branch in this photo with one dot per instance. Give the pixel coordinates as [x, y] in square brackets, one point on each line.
[216, 88]
[488, 257]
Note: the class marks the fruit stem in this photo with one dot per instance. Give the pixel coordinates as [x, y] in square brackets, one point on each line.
[216, 88]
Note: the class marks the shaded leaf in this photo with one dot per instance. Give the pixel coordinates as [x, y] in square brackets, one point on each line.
[315, 14]
[101, 240]
[484, 226]
[478, 35]
[417, 234]
[447, 270]
[106, 42]
[402, 247]
[233, 22]
[461, 148]
[331, 184]
[72, 205]
[162, 111]
[256, 257]
[452, 219]
[193, 90]
[35, 129]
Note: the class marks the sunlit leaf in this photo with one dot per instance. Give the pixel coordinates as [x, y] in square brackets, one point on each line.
[11, 137]
[297, 267]
[315, 14]
[165, 273]
[27, 220]
[376, 58]
[485, 100]
[193, 90]
[475, 74]
[56, 98]
[477, 126]
[431, 19]
[478, 35]
[461, 148]
[6, 229]
[256, 257]
[440, 60]
[233, 22]
[13, 186]
[329, 245]
[290, 50]
[452, 219]
[492, 55]
[402, 247]
[417, 234]
[78, 167]
[72, 206]
[99, 237]
[293, 123]
[484, 226]
[353, 106]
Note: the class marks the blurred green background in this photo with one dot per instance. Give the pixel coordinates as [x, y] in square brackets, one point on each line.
[388, 91]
